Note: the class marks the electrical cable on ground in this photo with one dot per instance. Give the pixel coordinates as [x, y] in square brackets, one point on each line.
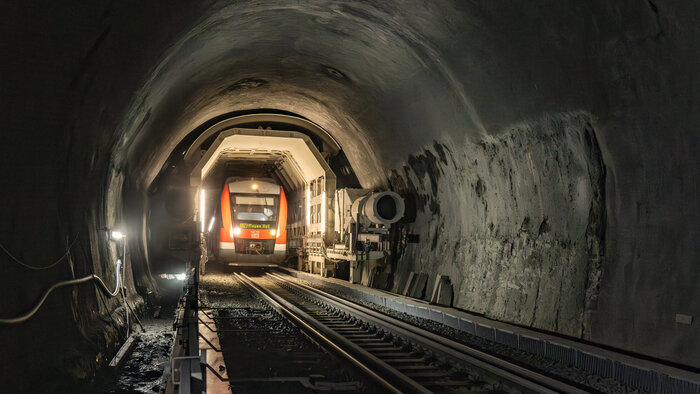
[31, 267]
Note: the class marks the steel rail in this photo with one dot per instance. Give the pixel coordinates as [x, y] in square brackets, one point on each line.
[390, 378]
[516, 374]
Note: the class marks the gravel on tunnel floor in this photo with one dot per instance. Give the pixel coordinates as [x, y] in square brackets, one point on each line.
[142, 371]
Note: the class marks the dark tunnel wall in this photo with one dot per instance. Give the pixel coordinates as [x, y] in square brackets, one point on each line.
[443, 101]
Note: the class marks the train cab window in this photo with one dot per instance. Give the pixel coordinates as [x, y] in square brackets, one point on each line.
[257, 208]
[252, 216]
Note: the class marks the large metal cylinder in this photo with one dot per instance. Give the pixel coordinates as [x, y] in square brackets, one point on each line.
[383, 208]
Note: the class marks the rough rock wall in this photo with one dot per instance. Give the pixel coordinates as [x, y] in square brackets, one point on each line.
[516, 221]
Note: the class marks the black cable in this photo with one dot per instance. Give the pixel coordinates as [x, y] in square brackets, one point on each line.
[31, 267]
[103, 287]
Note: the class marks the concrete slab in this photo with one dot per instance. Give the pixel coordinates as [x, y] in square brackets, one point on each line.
[418, 287]
[409, 283]
[442, 291]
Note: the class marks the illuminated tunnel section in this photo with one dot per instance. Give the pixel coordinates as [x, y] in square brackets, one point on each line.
[545, 152]
[286, 159]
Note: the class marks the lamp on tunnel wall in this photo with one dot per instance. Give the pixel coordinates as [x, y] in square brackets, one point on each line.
[118, 236]
[211, 224]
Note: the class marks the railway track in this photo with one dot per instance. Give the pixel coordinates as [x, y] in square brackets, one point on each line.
[397, 356]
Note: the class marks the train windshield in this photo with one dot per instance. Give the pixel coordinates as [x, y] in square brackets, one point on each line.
[255, 207]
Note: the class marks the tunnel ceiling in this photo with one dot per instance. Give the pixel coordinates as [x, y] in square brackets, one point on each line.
[337, 82]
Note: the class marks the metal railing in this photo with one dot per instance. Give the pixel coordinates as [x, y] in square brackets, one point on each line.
[187, 364]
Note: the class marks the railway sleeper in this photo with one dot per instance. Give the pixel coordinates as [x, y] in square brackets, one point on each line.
[453, 383]
[345, 328]
[392, 351]
[418, 367]
[391, 354]
[336, 318]
[407, 360]
[331, 320]
[419, 375]
[341, 329]
[369, 340]
[380, 344]
[351, 336]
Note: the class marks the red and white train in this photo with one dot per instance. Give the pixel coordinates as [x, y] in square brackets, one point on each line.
[253, 222]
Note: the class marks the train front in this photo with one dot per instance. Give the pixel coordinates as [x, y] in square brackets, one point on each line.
[253, 223]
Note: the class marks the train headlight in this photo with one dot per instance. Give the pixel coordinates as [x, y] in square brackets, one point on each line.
[237, 231]
[254, 186]
[273, 232]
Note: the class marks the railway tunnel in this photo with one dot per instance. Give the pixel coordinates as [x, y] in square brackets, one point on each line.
[545, 155]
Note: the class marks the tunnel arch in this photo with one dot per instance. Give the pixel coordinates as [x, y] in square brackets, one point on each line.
[474, 100]
[283, 120]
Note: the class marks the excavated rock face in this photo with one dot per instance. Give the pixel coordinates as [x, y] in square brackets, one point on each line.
[549, 148]
[526, 242]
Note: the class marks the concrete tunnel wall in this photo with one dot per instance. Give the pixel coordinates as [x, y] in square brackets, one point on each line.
[550, 147]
